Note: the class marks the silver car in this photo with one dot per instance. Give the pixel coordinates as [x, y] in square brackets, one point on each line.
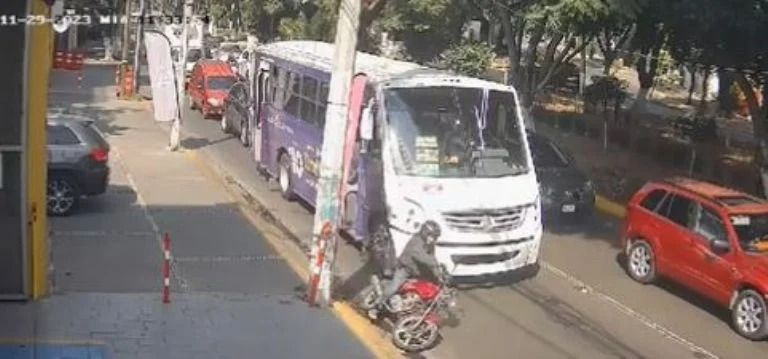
[78, 162]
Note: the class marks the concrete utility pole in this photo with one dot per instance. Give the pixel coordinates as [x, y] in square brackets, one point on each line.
[181, 75]
[137, 48]
[331, 158]
[126, 31]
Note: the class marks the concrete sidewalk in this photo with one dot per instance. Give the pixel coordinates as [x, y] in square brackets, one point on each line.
[233, 296]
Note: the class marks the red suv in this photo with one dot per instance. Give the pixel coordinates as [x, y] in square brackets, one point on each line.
[209, 85]
[710, 239]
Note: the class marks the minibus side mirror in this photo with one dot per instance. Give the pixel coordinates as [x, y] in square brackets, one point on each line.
[366, 125]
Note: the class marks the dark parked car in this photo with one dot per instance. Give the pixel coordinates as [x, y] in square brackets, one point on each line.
[78, 157]
[565, 190]
[237, 113]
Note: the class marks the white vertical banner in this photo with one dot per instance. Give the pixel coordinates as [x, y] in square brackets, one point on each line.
[162, 76]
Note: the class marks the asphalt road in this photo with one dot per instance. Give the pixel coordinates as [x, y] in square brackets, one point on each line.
[580, 305]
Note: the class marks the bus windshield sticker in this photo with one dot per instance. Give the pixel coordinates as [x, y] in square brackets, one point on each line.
[426, 142]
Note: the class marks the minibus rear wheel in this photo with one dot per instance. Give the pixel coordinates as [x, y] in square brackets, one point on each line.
[285, 177]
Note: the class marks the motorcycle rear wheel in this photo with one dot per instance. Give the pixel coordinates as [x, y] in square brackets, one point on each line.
[407, 336]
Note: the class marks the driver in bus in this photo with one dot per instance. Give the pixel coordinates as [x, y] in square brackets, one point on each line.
[453, 137]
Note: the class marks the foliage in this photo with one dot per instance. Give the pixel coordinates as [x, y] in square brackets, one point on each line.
[469, 58]
[699, 129]
[427, 27]
[728, 34]
[605, 91]
[555, 31]
[292, 29]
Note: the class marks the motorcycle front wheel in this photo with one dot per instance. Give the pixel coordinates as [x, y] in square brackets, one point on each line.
[411, 336]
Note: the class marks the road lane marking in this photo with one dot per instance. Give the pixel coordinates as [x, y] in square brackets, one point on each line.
[183, 284]
[44, 341]
[219, 259]
[665, 332]
[368, 334]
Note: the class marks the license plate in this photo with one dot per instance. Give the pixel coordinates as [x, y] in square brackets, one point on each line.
[569, 208]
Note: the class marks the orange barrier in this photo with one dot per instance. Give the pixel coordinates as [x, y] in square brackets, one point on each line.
[68, 61]
[124, 81]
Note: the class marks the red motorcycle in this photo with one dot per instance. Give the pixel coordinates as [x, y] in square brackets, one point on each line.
[415, 313]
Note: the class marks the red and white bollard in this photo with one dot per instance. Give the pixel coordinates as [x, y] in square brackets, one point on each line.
[167, 268]
[317, 268]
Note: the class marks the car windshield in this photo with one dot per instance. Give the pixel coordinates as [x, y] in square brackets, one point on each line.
[547, 155]
[196, 54]
[220, 83]
[752, 231]
[454, 132]
[230, 48]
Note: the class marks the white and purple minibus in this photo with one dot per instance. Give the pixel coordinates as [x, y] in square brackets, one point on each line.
[422, 145]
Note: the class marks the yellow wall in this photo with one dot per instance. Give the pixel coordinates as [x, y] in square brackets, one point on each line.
[40, 47]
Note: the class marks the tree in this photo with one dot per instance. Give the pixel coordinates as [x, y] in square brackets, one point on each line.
[728, 35]
[606, 92]
[542, 36]
[649, 39]
[613, 38]
[468, 58]
[426, 27]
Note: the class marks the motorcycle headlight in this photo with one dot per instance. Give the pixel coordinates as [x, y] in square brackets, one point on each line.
[214, 102]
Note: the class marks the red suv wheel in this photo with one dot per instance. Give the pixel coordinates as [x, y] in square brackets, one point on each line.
[641, 262]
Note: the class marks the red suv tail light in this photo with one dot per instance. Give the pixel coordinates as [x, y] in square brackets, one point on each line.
[100, 155]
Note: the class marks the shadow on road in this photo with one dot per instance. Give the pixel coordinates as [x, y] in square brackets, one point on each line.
[194, 143]
[684, 293]
[596, 227]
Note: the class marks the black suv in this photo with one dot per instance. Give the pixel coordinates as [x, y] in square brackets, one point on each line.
[78, 157]
[565, 190]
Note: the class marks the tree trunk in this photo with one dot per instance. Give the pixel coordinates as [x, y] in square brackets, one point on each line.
[126, 32]
[605, 125]
[705, 88]
[692, 86]
[509, 38]
[371, 11]
[608, 58]
[724, 98]
[759, 116]
[646, 73]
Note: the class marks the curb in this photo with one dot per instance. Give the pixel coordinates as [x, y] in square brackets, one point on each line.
[609, 207]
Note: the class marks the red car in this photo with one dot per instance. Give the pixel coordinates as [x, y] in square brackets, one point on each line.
[209, 85]
[710, 239]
